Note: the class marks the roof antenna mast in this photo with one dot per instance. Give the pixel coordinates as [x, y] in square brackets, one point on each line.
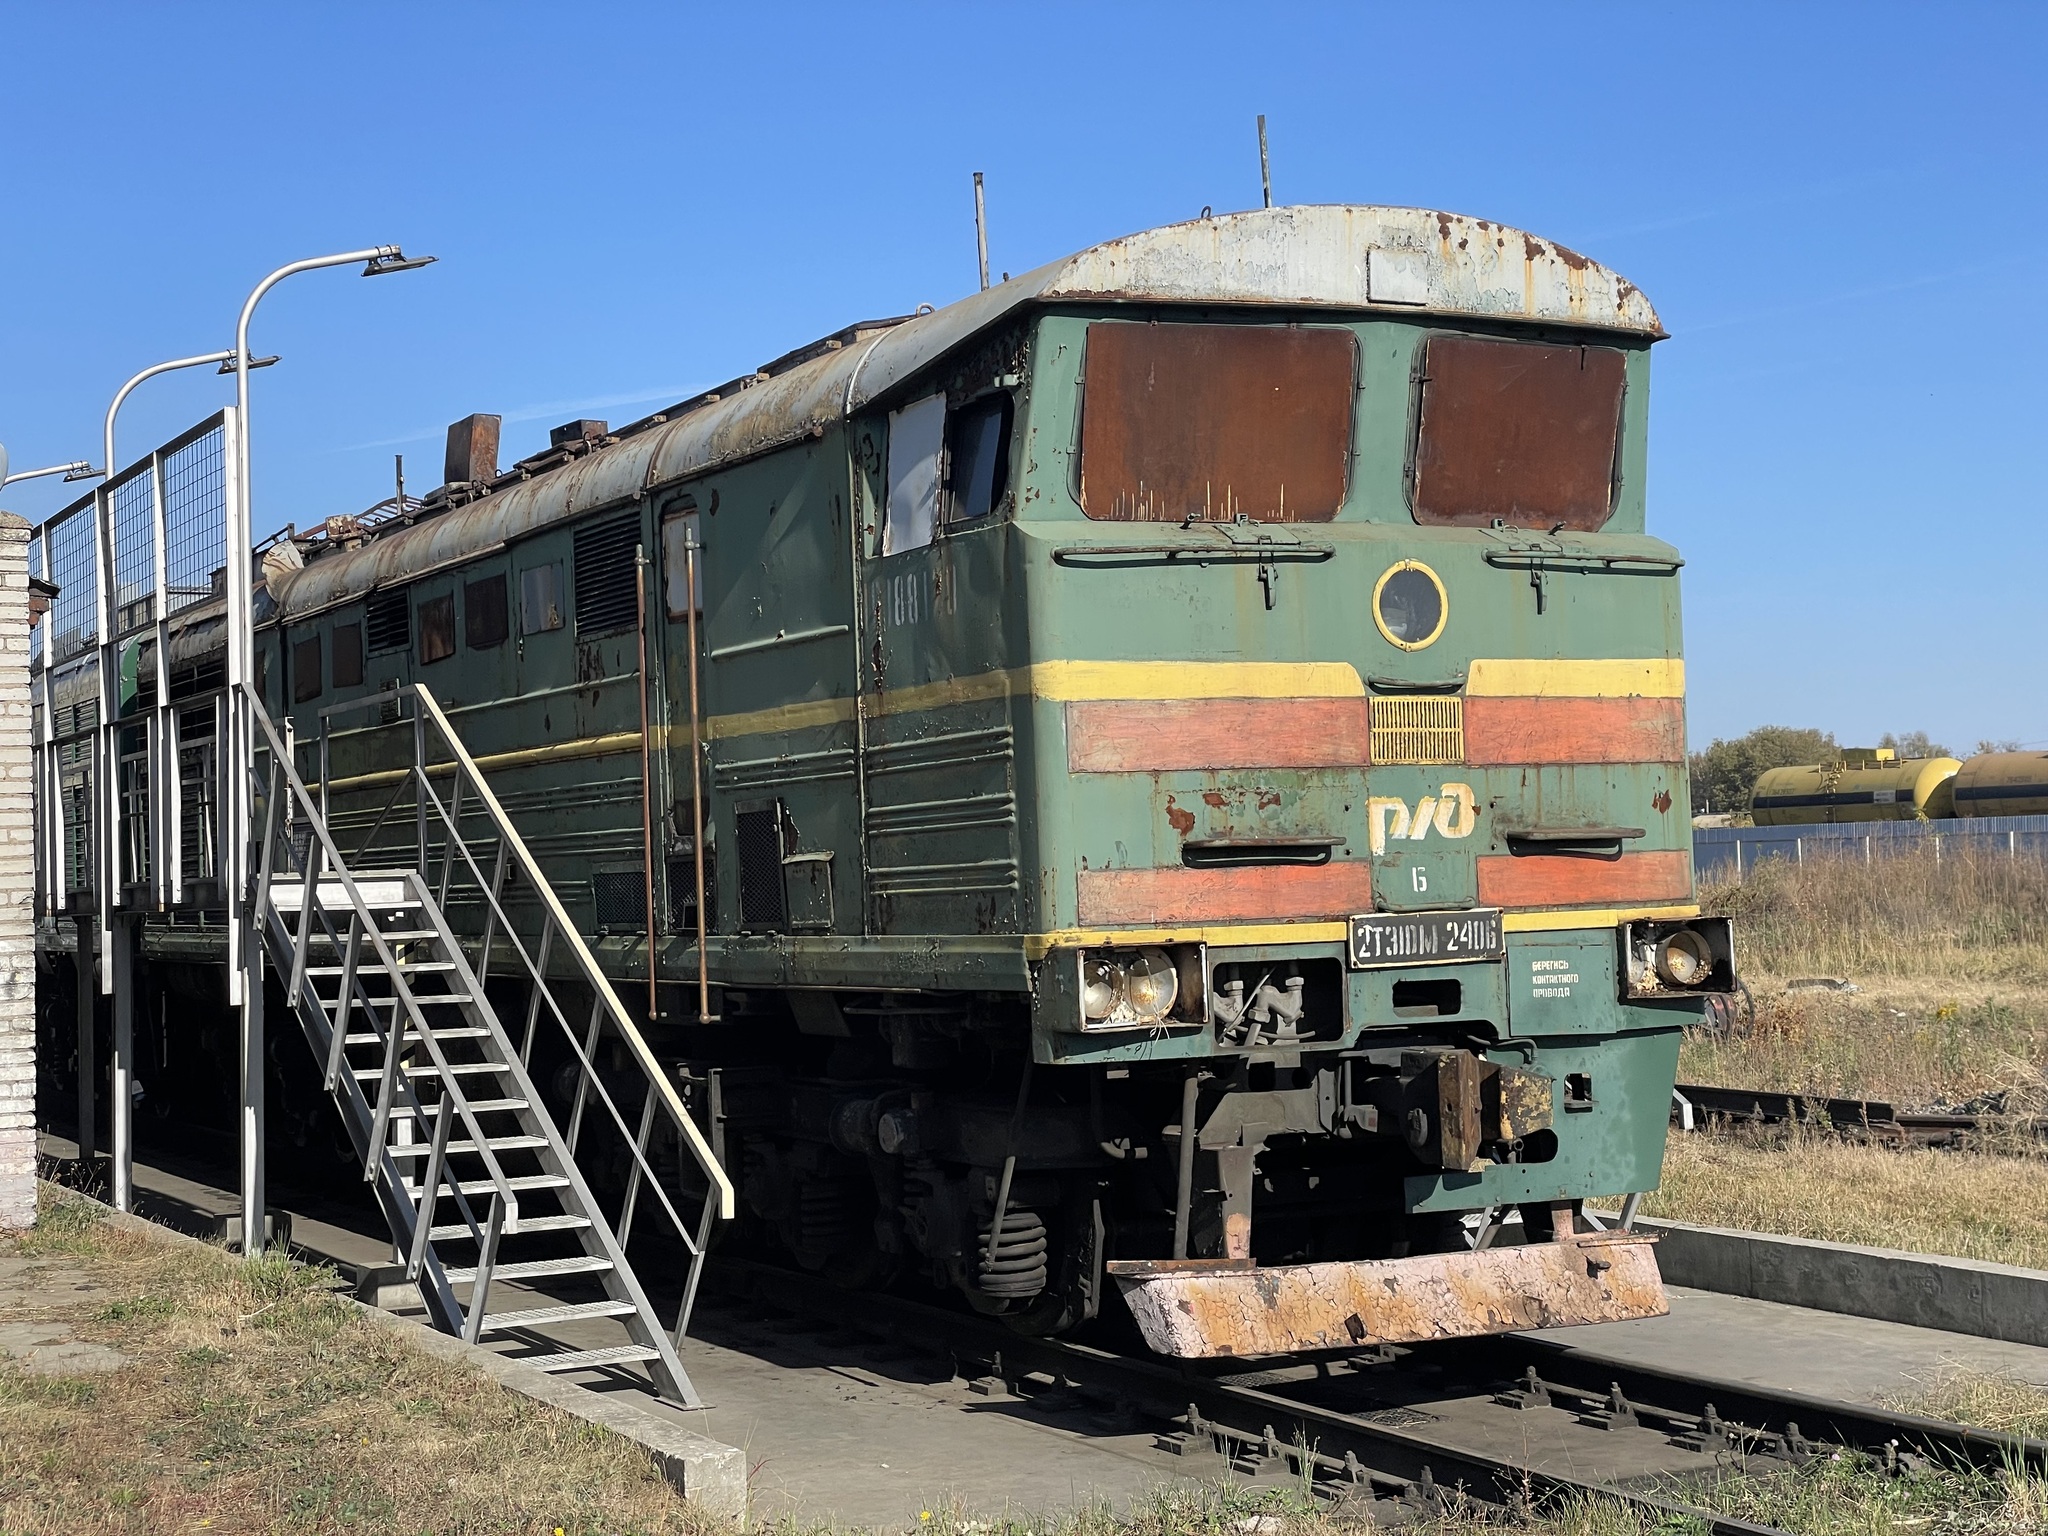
[981, 227]
[1265, 178]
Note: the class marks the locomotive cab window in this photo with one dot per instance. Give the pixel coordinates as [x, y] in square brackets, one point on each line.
[540, 599]
[1517, 432]
[977, 458]
[1216, 421]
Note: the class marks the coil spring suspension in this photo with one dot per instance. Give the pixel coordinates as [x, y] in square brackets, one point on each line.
[822, 1224]
[1013, 1264]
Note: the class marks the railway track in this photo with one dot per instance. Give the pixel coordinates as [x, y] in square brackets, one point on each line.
[1514, 1422]
[1695, 1105]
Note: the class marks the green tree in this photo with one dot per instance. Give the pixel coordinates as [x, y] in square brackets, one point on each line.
[1724, 773]
[1912, 744]
[2007, 745]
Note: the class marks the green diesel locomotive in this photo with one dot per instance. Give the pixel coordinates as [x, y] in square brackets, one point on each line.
[1165, 776]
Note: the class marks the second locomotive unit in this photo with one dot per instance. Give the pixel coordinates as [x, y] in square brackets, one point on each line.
[1193, 779]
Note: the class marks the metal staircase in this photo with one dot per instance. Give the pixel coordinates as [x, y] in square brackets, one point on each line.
[478, 1180]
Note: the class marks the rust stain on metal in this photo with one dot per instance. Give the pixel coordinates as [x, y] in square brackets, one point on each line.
[1179, 817]
[1205, 1310]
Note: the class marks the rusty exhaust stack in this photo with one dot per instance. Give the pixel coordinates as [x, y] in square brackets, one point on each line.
[472, 451]
[1265, 165]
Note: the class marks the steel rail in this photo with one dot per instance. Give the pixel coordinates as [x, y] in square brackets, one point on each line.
[1875, 1118]
[1359, 1455]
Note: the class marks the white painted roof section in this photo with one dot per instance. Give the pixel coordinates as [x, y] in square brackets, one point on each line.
[1409, 261]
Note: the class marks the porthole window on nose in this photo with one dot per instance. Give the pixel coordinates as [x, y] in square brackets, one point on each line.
[1409, 605]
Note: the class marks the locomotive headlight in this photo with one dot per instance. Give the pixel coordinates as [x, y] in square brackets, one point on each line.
[1409, 605]
[1683, 959]
[1101, 981]
[1151, 984]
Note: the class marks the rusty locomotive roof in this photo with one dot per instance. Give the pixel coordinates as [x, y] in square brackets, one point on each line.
[1395, 260]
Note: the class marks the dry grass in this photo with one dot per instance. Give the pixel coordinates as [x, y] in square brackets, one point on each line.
[1805, 1184]
[257, 1401]
[1993, 1402]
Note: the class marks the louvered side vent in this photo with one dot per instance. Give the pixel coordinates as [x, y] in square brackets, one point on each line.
[388, 620]
[1418, 728]
[759, 838]
[605, 575]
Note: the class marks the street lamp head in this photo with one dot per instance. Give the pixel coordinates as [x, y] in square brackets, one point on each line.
[83, 471]
[227, 364]
[391, 259]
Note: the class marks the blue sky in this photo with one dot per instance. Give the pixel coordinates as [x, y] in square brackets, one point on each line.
[1839, 211]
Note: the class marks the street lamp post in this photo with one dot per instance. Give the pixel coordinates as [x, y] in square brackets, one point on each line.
[245, 954]
[117, 955]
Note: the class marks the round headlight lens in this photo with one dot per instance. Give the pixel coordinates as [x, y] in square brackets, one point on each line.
[1151, 984]
[1408, 604]
[1684, 960]
[1100, 980]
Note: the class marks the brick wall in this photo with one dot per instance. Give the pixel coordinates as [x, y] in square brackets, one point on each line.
[17, 891]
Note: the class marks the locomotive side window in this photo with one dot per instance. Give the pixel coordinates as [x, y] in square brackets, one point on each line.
[1214, 421]
[977, 458]
[348, 655]
[305, 669]
[1517, 432]
[917, 442]
[540, 599]
[437, 628]
[484, 620]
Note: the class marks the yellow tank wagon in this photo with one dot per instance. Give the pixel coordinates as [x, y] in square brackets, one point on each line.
[2002, 784]
[1863, 784]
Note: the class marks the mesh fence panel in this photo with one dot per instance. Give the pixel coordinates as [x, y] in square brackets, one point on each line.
[74, 617]
[134, 550]
[195, 519]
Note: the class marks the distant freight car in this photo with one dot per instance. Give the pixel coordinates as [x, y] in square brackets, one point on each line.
[2002, 784]
[1863, 784]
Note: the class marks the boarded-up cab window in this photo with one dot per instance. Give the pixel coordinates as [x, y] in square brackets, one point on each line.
[1517, 432]
[484, 620]
[977, 458]
[437, 628]
[1216, 422]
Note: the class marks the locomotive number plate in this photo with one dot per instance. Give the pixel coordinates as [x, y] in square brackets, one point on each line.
[1426, 938]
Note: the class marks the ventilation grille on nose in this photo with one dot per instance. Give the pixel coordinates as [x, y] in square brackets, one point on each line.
[1418, 728]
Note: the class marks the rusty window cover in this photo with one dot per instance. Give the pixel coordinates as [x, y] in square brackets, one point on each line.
[437, 628]
[1517, 431]
[1212, 421]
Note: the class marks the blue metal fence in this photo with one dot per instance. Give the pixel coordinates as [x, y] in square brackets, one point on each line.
[1728, 853]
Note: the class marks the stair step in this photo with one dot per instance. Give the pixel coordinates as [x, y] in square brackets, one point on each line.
[538, 1316]
[521, 1184]
[389, 935]
[389, 999]
[381, 892]
[460, 1230]
[428, 1069]
[529, 1269]
[495, 1143]
[378, 968]
[589, 1359]
[479, 1106]
[452, 1032]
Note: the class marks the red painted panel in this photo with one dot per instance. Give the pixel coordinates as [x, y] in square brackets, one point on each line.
[1560, 880]
[1157, 898]
[1160, 735]
[1523, 730]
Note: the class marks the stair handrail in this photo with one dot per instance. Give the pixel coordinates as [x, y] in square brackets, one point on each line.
[451, 1088]
[470, 777]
